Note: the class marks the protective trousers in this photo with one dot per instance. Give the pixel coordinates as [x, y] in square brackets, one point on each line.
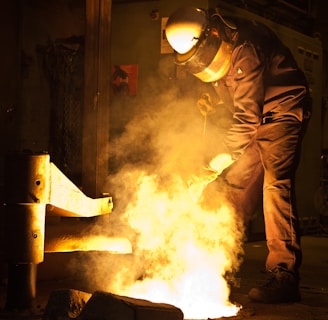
[269, 165]
[279, 145]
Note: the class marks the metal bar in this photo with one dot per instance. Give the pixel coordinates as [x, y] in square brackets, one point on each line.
[35, 187]
[66, 199]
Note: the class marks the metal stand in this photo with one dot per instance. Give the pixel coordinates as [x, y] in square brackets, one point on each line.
[33, 187]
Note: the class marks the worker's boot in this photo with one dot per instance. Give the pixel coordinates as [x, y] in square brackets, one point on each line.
[282, 286]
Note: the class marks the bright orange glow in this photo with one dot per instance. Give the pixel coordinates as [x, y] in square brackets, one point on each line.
[79, 242]
[103, 243]
[186, 251]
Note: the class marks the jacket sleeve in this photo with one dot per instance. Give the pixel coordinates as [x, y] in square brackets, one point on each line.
[246, 86]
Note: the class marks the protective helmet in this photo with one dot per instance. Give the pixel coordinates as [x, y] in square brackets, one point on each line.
[199, 47]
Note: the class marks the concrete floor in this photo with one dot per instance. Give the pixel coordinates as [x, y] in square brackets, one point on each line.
[314, 286]
[314, 283]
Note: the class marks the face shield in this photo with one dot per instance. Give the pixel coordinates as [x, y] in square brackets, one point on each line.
[198, 44]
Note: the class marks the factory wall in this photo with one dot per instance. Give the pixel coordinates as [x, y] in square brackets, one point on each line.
[137, 40]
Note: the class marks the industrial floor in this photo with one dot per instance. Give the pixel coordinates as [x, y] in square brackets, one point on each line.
[314, 283]
[314, 286]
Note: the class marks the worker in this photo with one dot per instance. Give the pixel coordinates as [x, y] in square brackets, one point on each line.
[257, 78]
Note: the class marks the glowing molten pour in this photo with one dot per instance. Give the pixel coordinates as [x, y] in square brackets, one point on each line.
[186, 251]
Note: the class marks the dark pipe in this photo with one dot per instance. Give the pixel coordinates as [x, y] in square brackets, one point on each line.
[21, 287]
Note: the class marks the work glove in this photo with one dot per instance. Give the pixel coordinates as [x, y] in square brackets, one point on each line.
[205, 104]
[208, 174]
[198, 182]
[221, 162]
[214, 193]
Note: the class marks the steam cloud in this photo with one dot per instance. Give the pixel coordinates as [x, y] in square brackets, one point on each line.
[181, 252]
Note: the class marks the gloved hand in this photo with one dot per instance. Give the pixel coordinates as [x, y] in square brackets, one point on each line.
[221, 162]
[205, 104]
[198, 182]
[207, 174]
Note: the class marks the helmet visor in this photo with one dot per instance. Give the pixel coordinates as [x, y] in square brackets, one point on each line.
[210, 59]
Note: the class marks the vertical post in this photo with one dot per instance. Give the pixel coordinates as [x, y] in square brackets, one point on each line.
[26, 196]
[96, 96]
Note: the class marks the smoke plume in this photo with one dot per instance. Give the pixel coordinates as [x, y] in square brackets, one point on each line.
[182, 253]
